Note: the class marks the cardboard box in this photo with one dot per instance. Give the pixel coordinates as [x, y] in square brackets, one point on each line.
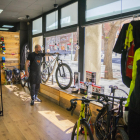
[98, 89]
[91, 77]
[83, 88]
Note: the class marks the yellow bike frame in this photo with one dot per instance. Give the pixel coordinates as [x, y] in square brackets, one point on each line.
[82, 116]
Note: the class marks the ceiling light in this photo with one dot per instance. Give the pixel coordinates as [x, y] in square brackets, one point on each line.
[1, 10]
[4, 29]
[21, 18]
[8, 26]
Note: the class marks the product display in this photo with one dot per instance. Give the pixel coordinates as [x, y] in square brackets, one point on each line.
[8, 76]
[3, 62]
[91, 77]
[98, 89]
[2, 39]
[16, 75]
[3, 46]
[77, 79]
[83, 87]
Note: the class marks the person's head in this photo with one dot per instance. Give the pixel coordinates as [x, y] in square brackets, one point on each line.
[37, 48]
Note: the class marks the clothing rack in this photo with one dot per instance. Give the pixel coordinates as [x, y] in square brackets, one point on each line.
[1, 101]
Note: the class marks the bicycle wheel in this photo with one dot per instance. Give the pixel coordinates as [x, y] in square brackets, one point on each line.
[23, 82]
[44, 75]
[102, 122]
[121, 135]
[63, 76]
[83, 125]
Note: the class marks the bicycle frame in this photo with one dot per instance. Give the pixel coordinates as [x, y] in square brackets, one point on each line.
[48, 65]
[82, 117]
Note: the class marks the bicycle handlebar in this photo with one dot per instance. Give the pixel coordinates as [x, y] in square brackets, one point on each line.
[105, 98]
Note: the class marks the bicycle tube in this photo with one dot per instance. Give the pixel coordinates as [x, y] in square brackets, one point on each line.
[82, 115]
[51, 72]
[86, 128]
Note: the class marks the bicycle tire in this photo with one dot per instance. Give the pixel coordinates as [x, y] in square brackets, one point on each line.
[56, 76]
[103, 111]
[121, 135]
[21, 82]
[44, 73]
[83, 123]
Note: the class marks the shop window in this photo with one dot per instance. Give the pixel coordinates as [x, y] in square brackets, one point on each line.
[69, 15]
[52, 21]
[37, 26]
[102, 8]
[130, 5]
[105, 35]
[66, 45]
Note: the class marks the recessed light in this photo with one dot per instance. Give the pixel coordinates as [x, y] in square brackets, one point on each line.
[4, 29]
[8, 26]
[1, 10]
[21, 18]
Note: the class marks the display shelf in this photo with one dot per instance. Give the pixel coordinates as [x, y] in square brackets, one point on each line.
[63, 97]
[1, 101]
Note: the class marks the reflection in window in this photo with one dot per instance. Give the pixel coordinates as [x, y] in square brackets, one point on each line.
[69, 15]
[52, 21]
[37, 26]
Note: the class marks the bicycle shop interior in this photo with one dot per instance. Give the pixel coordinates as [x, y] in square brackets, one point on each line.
[83, 33]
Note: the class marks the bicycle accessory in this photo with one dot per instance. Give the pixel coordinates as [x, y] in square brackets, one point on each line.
[3, 62]
[2, 39]
[16, 75]
[8, 75]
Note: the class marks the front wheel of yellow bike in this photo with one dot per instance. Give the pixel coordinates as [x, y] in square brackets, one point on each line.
[84, 132]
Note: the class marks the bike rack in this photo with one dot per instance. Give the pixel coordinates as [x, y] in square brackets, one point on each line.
[1, 101]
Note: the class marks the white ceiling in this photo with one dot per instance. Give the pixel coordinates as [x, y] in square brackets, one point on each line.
[13, 9]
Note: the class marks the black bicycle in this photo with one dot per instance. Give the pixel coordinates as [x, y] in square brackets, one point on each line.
[63, 73]
[107, 124]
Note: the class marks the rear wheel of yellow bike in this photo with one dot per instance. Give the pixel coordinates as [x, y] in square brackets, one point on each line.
[82, 132]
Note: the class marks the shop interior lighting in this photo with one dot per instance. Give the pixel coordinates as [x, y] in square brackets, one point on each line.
[4, 29]
[1, 10]
[8, 26]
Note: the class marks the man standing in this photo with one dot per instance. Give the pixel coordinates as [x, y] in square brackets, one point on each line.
[35, 72]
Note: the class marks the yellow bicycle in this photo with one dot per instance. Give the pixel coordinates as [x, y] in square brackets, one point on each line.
[83, 128]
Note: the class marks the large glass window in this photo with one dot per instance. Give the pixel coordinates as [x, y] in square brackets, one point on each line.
[130, 5]
[37, 40]
[52, 21]
[104, 8]
[65, 44]
[69, 15]
[37, 26]
[96, 9]
[101, 38]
